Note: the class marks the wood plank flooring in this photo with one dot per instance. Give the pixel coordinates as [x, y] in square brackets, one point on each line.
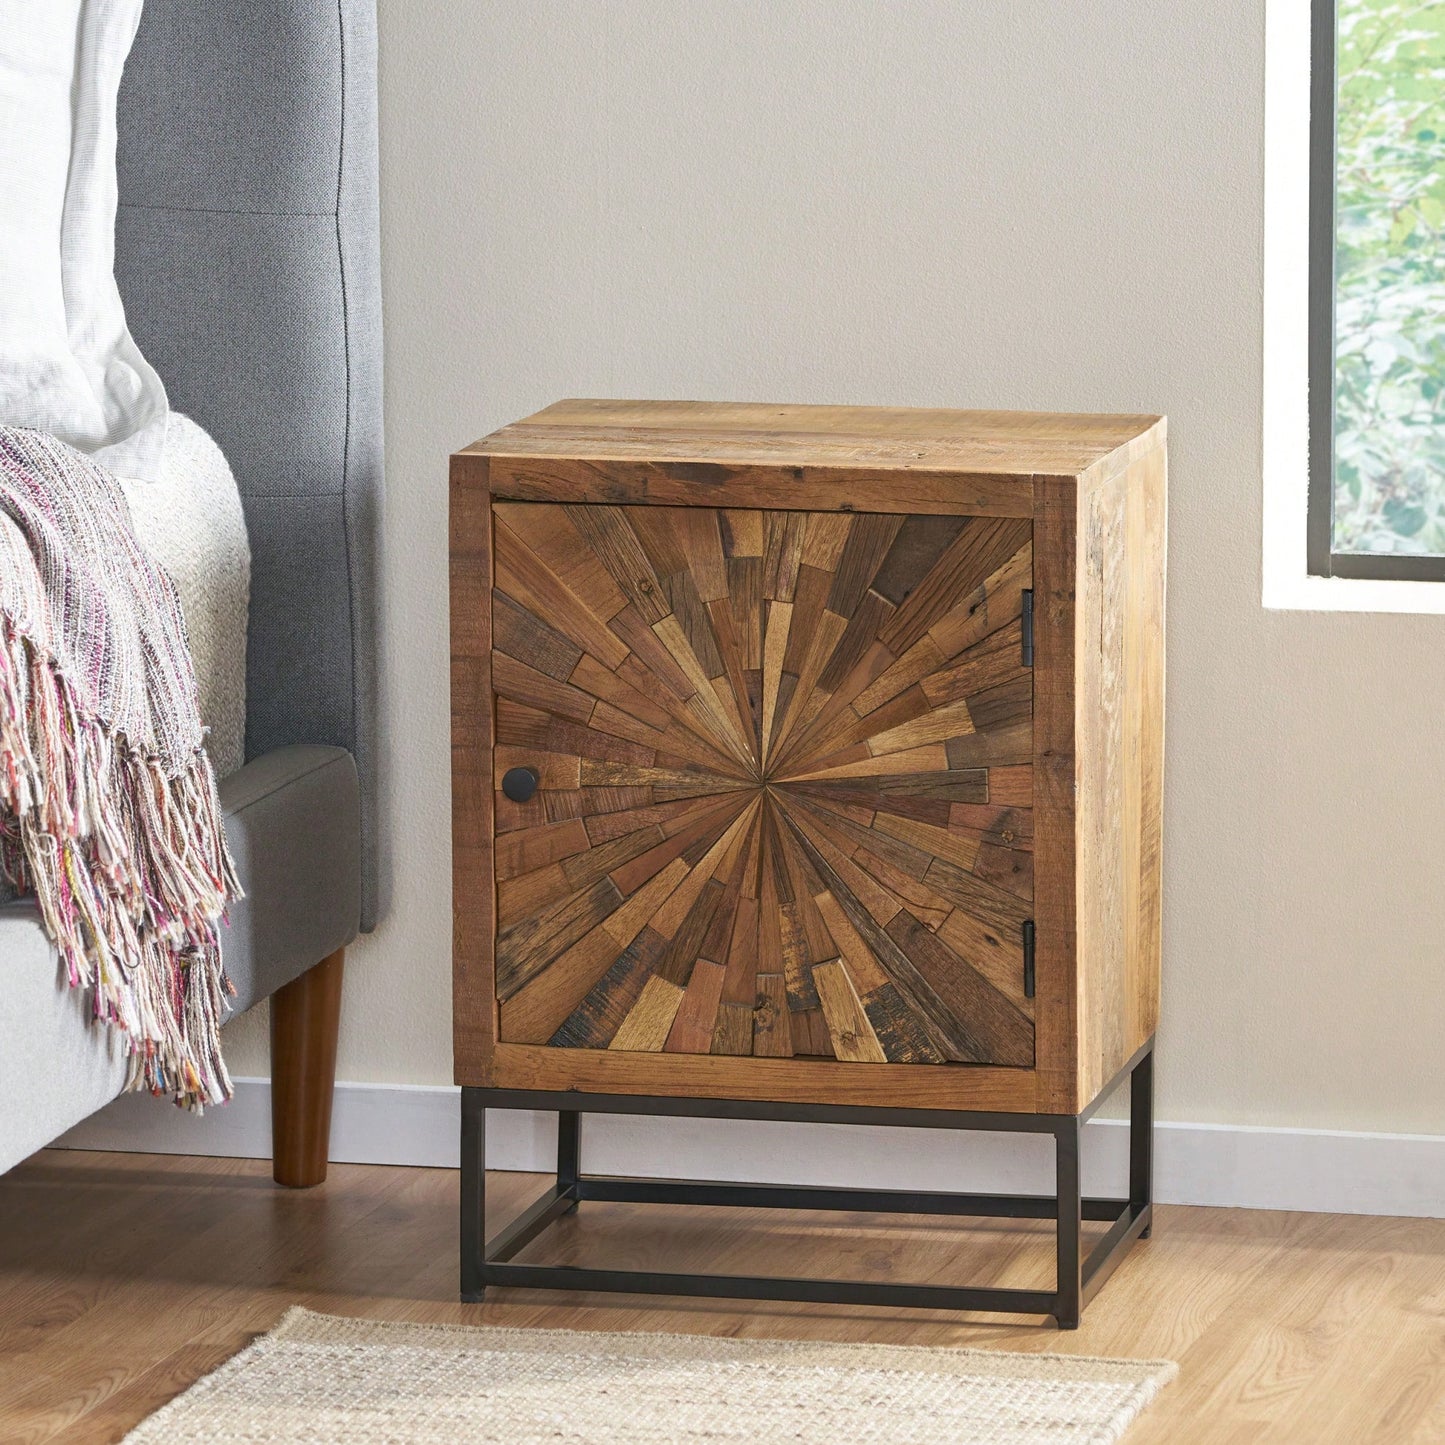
[125, 1277]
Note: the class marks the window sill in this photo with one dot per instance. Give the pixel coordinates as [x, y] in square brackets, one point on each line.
[1303, 593]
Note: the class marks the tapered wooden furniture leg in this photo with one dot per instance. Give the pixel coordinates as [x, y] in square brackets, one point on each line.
[304, 1018]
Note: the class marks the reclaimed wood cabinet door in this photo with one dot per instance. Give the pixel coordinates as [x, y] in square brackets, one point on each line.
[782, 763]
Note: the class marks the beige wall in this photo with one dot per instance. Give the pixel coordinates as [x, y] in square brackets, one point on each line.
[1016, 203]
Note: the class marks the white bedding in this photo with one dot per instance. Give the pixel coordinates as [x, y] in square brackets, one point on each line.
[68, 363]
[190, 521]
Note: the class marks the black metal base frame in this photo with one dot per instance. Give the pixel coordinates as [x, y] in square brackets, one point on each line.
[1078, 1278]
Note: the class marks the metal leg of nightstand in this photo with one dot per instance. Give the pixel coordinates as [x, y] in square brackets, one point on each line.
[1141, 1139]
[1136, 1219]
[1078, 1279]
[474, 1182]
[1068, 1254]
[569, 1153]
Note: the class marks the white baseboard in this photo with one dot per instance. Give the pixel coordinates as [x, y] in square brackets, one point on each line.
[1317, 1170]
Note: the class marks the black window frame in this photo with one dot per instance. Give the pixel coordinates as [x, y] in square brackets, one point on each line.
[1321, 558]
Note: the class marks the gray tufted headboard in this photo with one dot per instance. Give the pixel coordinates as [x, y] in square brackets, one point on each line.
[247, 255]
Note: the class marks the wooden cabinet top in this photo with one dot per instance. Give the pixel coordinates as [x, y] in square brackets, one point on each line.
[755, 434]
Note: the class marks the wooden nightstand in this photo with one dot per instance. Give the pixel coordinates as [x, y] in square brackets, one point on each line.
[807, 764]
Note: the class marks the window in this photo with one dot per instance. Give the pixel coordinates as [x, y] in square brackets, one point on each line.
[1377, 289]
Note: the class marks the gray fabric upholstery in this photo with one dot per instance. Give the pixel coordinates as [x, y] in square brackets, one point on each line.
[54, 1070]
[294, 825]
[292, 820]
[247, 256]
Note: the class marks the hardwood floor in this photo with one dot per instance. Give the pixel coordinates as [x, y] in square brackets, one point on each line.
[125, 1277]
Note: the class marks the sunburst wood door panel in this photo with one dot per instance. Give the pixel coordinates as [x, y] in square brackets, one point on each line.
[784, 782]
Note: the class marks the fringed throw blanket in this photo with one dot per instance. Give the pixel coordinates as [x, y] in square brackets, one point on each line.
[108, 806]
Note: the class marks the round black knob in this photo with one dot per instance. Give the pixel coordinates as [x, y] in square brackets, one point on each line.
[519, 784]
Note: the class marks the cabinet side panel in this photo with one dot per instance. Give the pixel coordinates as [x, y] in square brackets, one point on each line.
[1056, 665]
[1149, 527]
[1120, 697]
[474, 1027]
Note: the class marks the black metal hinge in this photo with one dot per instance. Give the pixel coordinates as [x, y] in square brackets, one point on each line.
[1028, 933]
[1027, 651]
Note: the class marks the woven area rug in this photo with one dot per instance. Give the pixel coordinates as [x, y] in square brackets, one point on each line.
[317, 1378]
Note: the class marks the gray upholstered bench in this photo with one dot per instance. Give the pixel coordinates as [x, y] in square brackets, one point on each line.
[247, 258]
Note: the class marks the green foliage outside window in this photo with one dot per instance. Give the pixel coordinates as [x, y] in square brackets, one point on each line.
[1390, 278]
